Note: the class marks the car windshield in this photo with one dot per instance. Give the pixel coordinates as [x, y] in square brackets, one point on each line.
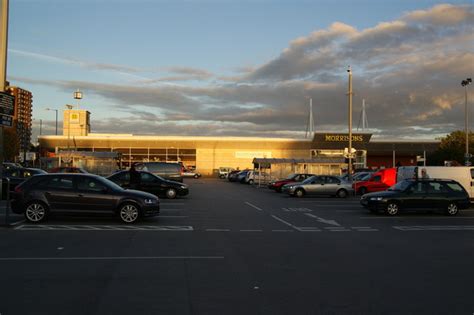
[291, 176]
[400, 186]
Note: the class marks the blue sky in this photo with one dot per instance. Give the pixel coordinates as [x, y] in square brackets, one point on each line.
[244, 67]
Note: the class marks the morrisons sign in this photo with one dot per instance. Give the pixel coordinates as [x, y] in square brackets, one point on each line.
[341, 138]
[345, 138]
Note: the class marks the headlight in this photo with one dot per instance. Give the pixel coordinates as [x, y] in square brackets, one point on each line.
[290, 187]
[377, 198]
[184, 186]
[150, 201]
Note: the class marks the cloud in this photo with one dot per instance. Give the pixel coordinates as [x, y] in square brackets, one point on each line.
[73, 61]
[408, 70]
[442, 14]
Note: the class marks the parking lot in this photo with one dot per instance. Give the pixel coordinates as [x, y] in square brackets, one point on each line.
[229, 248]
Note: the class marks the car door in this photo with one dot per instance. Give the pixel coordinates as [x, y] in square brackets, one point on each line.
[316, 186]
[151, 184]
[437, 195]
[416, 197]
[60, 193]
[93, 195]
[376, 184]
[332, 185]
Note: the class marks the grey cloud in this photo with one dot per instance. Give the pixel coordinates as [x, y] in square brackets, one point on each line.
[340, 44]
[190, 71]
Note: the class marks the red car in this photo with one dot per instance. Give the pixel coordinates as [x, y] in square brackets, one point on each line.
[379, 181]
[293, 178]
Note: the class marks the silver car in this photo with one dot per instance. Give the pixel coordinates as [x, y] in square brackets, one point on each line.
[320, 185]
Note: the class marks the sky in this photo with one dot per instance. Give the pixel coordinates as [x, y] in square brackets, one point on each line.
[245, 68]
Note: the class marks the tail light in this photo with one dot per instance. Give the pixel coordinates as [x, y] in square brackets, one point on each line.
[18, 189]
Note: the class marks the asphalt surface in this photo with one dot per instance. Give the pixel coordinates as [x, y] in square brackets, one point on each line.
[229, 248]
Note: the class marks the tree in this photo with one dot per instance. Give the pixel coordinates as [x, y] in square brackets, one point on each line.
[11, 144]
[452, 148]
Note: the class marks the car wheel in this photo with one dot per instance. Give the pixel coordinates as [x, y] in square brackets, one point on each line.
[452, 209]
[363, 190]
[36, 211]
[250, 181]
[278, 189]
[299, 193]
[129, 213]
[342, 193]
[171, 193]
[392, 208]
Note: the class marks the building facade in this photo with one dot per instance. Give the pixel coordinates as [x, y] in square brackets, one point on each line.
[207, 154]
[22, 116]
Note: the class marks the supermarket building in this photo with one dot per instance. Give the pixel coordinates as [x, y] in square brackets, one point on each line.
[207, 154]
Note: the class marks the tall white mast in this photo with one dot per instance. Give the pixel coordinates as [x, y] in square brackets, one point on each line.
[363, 117]
[310, 125]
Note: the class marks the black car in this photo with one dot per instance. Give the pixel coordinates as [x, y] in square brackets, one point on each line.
[152, 184]
[423, 194]
[232, 176]
[41, 195]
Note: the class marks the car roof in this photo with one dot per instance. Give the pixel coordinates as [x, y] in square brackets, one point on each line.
[430, 180]
[70, 174]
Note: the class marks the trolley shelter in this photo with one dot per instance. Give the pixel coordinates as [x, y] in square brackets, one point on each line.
[273, 168]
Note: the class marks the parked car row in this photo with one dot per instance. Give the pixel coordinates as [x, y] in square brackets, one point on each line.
[390, 190]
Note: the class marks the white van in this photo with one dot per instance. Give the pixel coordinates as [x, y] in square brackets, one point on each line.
[462, 174]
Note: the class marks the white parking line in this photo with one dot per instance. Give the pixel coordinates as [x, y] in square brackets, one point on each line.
[42, 227]
[253, 206]
[308, 229]
[251, 230]
[284, 222]
[217, 230]
[337, 229]
[108, 258]
[435, 228]
[418, 217]
[282, 231]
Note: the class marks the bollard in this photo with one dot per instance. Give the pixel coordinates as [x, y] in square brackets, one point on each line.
[7, 207]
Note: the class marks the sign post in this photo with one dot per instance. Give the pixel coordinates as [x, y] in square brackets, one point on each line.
[3, 70]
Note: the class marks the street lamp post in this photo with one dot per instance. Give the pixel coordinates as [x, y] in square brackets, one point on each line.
[349, 93]
[56, 110]
[467, 157]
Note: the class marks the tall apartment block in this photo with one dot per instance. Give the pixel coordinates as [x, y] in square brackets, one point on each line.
[22, 117]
